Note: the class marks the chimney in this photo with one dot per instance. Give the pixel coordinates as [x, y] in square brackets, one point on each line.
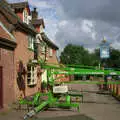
[34, 14]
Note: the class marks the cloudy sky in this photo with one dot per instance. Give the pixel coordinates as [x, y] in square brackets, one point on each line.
[81, 22]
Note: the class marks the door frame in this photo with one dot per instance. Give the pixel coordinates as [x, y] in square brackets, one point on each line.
[1, 87]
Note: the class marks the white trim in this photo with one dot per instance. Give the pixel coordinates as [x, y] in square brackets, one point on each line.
[31, 42]
[29, 18]
[43, 49]
[50, 52]
[41, 29]
[33, 76]
[25, 14]
[6, 30]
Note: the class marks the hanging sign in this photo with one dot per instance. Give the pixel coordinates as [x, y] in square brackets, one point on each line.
[104, 52]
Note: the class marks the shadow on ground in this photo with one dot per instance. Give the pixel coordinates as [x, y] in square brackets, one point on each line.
[99, 102]
[73, 117]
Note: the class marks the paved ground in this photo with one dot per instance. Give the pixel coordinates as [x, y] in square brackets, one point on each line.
[95, 107]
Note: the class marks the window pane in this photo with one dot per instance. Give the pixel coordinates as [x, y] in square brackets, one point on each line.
[29, 41]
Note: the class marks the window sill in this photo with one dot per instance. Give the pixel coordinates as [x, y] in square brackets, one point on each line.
[32, 84]
[42, 52]
[30, 49]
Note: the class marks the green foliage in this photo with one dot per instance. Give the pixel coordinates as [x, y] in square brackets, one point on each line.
[74, 54]
[113, 61]
[44, 85]
[78, 55]
[41, 61]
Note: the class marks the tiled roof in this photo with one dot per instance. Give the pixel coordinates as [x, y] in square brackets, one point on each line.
[48, 41]
[6, 38]
[38, 22]
[14, 19]
[19, 5]
[4, 34]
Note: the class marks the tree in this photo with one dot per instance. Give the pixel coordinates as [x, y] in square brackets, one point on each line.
[78, 55]
[74, 54]
[113, 61]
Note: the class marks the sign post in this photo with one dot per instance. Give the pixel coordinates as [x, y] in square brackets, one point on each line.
[104, 55]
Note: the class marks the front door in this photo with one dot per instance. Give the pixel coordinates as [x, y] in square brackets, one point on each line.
[1, 88]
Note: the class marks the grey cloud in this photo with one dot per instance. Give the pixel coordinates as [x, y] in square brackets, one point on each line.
[105, 10]
[105, 17]
[75, 35]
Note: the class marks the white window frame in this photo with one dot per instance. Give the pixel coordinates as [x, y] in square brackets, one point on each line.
[30, 42]
[25, 16]
[41, 29]
[50, 52]
[29, 18]
[32, 80]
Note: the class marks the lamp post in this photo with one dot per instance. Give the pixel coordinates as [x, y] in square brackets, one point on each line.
[104, 55]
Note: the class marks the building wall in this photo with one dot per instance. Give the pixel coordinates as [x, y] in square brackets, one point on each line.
[7, 63]
[23, 53]
[20, 15]
[62, 78]
[49, 59]
[52, 59]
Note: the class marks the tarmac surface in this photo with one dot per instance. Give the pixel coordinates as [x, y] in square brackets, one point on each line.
[94, 107]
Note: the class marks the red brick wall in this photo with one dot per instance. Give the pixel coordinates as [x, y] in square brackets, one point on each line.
[37, 27]
[9, 59]
[23, 53]
[63, 78]
[7, 62]
[20, 15]
[52, 59]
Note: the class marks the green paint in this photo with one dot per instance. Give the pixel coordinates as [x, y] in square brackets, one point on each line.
[68, 70]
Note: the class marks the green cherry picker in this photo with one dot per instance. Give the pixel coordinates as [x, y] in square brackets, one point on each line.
[56, 92]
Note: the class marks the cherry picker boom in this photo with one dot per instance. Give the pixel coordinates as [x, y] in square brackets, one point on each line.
[53, 98]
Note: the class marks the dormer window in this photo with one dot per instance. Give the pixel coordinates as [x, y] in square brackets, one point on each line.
[41, 29]
[25, 16]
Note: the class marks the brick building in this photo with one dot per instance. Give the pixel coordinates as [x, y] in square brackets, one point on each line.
[26, 80]
[19, 38]
[46, 49]
[7, 47]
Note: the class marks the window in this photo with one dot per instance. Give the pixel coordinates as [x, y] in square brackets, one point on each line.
[29, 18]
[51, 52]
[31, 42]
[31, 75]
[25, 16]
[43, 49]
[47, 50]
[41, 29]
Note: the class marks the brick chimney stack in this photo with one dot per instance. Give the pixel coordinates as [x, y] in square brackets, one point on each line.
[34, 14]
